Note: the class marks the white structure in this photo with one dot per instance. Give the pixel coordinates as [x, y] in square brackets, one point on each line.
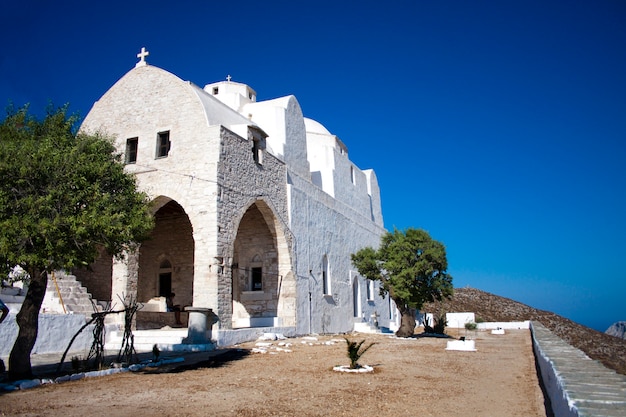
[257, 208]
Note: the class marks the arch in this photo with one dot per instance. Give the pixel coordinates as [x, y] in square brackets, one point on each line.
[166, 259]
[263, 284]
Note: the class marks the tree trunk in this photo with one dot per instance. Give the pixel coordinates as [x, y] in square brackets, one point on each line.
[407, 322]
[28, 322]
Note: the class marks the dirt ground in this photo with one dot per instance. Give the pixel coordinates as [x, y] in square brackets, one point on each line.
[411, 377]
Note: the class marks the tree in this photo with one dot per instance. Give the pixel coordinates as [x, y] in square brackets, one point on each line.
[63, 195]
[411, 267]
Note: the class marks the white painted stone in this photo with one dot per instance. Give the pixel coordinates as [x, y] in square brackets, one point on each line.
[466, 345]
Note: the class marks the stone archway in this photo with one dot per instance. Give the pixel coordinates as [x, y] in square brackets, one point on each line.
[263, 284]
[166, 259]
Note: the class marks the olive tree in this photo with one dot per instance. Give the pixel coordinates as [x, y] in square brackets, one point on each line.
[63, 195]
[412, 268]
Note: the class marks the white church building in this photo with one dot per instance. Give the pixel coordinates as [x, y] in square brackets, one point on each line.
[257, 209]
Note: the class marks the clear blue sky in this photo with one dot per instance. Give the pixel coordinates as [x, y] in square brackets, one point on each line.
[498, 126]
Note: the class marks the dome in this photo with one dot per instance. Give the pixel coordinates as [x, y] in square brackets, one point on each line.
[315, 127]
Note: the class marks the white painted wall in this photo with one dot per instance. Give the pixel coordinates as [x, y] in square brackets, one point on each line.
[55, 333]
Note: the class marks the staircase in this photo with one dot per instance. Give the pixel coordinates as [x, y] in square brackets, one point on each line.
[75, 297]
[362, 326]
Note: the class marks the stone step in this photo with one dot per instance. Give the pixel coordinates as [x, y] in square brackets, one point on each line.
[76, 298]
[364, 327]
[144, 340]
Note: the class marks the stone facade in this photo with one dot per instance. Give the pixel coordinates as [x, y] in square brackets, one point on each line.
[257, 208]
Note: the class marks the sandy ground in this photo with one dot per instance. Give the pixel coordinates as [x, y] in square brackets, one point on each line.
[411, 377]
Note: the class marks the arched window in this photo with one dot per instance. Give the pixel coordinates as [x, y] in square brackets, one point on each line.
[326, 276]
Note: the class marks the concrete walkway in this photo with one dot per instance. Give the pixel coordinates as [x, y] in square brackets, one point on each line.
[577, 385]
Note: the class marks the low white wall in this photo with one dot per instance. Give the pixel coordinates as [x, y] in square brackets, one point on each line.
[458, 320]
[54, 334]
[504, 325]
[552, 382]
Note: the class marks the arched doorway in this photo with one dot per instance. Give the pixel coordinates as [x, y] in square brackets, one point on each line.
[166, 259]
[263, 286]
[356, 297]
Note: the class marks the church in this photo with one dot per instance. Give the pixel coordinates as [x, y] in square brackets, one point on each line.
[257, 209]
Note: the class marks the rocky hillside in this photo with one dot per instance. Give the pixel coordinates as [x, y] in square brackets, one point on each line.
[609, 350]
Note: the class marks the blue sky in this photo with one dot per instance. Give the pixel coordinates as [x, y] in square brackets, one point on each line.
[498, 126]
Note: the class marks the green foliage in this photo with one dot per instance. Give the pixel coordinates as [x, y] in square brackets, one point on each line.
[411, 266]
[470, 326]
[355, 351]
[427, 327]
[439, 327]
[440, 324]
[63, 194]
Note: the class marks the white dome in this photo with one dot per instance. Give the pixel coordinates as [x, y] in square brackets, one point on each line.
[315, 127]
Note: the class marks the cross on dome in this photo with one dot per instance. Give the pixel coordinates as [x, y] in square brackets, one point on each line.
[142, 57]
[228, 77]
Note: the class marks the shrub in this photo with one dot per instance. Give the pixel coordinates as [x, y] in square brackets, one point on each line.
[440, 324]
[427, 327]
[355, 351]
[470, 326]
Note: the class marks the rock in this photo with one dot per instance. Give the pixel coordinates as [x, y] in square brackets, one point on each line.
[617, 329]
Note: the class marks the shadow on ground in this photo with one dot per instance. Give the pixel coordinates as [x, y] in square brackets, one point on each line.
[218, 360]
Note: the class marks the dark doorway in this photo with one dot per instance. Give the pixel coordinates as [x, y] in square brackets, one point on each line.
[165, 284]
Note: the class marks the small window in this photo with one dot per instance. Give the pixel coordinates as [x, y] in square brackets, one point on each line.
[257, 279]
[370, 290]
[216, 90]
[257, 151]
[325, 276]
[163, 144]
[352, 175]
[131, 150]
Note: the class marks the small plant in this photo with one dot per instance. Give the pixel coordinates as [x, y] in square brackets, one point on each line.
[78, 364]
[439, 327]
[479, 320]
[440, 324]
[355, 351]
[470, 326]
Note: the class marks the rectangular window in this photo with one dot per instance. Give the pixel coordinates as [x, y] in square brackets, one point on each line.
[257, 152]
[131, 150]
[257, 279]
[216, 90]
[370, 290]
[163, 144]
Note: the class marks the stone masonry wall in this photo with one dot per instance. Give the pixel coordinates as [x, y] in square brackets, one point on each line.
[243, 183]
[170, 240]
